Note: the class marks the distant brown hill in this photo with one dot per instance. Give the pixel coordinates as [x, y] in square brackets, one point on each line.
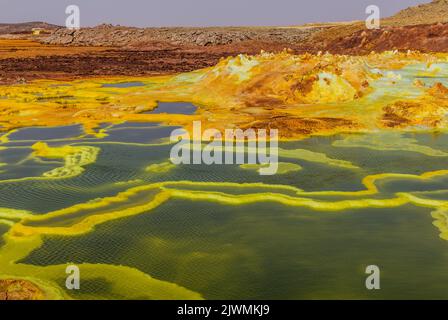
[433, 12]
[26, 27]
[422, 37]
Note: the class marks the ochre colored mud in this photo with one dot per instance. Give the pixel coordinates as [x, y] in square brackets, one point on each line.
[26, 60]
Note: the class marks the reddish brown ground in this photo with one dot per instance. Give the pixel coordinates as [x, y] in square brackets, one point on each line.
[425, 38]
[61, 62]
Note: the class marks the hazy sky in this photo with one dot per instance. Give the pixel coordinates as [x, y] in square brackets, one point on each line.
[197, 12]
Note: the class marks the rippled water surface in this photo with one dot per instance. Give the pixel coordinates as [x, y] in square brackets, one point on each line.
[252, 239]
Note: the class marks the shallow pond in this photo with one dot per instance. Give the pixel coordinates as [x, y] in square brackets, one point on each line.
[263, 249]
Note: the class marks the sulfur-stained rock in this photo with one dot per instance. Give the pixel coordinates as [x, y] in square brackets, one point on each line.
[404, 114]
[13, 289]
[438, 90]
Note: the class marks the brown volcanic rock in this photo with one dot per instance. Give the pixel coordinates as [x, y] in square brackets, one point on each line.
[423, 28]
[426, 38]
[117, 36]
[11, 289]
[417, 28]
